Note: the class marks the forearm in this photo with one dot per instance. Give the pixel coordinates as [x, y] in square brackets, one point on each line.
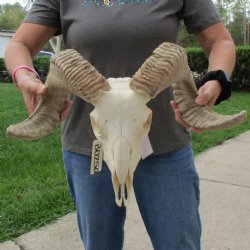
[222, 56]
[25, 44]
[17, 54]
[219, 47]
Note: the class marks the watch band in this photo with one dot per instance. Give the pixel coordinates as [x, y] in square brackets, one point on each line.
[222, 78]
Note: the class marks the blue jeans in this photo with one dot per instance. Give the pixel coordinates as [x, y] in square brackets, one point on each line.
[167, 192]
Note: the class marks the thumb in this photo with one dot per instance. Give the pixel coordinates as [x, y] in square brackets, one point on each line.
[204, 96]
[35, 87]
[40, 89]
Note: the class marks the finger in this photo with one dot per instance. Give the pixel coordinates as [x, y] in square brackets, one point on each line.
[178, 115]
[178, 118]
[31, 102]
[205, 96]
[37, 87]
[196, 130]
[33, 86]
[173, 104]
[65, 112]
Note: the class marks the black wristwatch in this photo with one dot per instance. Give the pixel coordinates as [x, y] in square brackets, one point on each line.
[222, 78]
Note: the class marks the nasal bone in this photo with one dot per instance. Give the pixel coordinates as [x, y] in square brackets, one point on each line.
[122, 151]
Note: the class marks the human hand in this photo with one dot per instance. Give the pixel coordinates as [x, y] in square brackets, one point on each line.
[33, 90]
[208, 93]
[178, 118]
[65, 112]
[207, 96]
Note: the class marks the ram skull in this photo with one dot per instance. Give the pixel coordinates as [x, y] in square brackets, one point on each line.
[120, 130]
[121, 118]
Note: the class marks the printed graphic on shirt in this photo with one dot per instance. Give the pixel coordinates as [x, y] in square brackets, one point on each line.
[109, 3]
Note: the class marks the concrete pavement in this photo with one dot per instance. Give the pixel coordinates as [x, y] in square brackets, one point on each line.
[225, 208]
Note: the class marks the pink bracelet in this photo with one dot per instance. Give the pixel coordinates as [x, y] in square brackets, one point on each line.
[22, 67]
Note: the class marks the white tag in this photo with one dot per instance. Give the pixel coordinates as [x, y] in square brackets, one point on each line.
[146, 148]
[96, 159]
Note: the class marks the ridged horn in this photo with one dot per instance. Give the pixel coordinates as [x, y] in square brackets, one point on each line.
[168, 65]
[69, 72]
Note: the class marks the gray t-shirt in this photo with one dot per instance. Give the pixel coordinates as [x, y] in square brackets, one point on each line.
[116, 36]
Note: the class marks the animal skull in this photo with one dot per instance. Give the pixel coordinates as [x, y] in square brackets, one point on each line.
[121, 118]
[121, 131]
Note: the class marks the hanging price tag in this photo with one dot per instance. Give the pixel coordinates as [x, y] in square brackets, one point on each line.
[97, 156]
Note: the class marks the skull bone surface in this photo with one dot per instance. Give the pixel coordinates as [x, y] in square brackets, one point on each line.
[120, 121]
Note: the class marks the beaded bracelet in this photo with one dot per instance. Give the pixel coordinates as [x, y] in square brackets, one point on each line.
[22, 67]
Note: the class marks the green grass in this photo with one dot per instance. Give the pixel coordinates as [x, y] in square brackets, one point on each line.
[33, 189]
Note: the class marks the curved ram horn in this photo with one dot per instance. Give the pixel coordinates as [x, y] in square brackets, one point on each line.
[167, 66]
[69, 71]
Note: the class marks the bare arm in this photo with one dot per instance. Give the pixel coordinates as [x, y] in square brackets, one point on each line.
[25, 44]
[219, 48]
